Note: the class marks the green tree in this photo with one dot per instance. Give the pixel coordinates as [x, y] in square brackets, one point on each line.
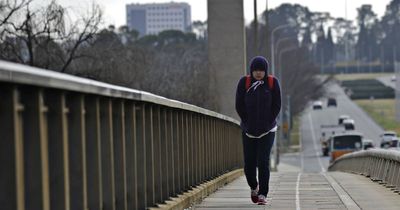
[306, 40]
[329, 48]
[320, 47]
[390, 29]
[367, 43]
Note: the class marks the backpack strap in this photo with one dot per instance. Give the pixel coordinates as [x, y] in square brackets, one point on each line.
[248, 81]
[270, 82]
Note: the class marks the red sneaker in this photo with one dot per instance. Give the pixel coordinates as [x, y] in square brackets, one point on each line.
[262, 200]
[254, 195]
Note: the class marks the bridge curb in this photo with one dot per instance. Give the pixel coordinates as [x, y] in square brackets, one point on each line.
[198, 193]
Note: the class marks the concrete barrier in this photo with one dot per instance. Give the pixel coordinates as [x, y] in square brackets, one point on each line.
[379, 165]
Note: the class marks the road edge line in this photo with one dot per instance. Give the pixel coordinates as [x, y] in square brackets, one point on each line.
[343, 195]
[298, 192]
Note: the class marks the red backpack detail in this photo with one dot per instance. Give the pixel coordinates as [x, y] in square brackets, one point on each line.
[270, 82]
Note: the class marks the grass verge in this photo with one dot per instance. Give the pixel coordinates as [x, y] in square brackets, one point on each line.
[382, 111]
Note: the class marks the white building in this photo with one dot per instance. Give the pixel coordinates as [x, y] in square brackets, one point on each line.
[156, 17]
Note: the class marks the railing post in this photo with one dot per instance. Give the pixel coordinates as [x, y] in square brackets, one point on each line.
[185, 159]
[214, 148]
[171, 149]
[107, 156]
[93, 152]
[119, 154]
[397, 177]
[141, 156]
[208, 157]
[158, 160]
[165, 152]
[131, 155]
[35, 142]
[196, 148]
[176, 152]
[77, 151]
[58, 150]
[182, 167]
[12, 194]
[191, 141]
[149, 163]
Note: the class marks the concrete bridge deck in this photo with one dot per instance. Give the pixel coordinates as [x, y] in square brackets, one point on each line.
[295, 190]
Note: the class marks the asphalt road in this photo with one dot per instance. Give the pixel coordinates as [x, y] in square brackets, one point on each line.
[310, 159]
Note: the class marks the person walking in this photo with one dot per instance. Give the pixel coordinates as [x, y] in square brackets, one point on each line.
[258, 103]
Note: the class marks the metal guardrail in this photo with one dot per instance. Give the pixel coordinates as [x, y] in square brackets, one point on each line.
[69, 143]
[380, 165]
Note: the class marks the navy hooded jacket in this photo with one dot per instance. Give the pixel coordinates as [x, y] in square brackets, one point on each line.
[258, 107]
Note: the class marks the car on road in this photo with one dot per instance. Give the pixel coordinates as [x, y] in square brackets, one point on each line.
[393, 144]
[341, 144]
[317, 105]
[387, 136]
[331, 102]
[348, 124]
[368, 144]
[341, 118]
[393, 78]
[325, 148]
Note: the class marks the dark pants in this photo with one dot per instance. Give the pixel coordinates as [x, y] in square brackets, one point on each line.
[256, 155]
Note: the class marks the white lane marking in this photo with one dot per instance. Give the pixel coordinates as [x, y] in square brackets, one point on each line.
[297, 192]
[315, 144]
[344, 197]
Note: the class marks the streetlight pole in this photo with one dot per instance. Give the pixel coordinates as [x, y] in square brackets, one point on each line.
[272, 45]
[266, 27]
[285, 50]
[255, 29]
[275, 148]
[346, 40]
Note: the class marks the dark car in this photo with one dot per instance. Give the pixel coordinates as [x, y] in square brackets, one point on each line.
[332, 102]
[325, 148]
[367, 144]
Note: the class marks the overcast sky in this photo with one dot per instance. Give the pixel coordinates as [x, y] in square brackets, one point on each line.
[114, 10]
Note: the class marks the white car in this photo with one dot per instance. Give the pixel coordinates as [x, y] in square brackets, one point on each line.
[348, 124]
[393, 144]
[341, 118]
[317, 105]
[388, 135]
[393, 78]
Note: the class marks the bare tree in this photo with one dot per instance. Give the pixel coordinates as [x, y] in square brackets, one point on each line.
[8, 8]
[300, 80]
[42, 37]
[76, 37]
